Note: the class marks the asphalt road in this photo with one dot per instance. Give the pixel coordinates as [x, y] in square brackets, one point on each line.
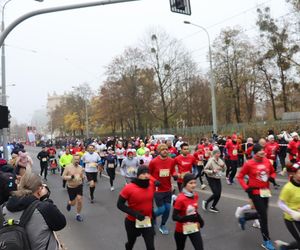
[103, 225]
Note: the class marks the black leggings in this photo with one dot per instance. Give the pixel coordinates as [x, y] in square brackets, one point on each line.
[216, 188]
[231, 171]
[44, 168]
[61, 173]
[200, 173]
[294, 229]
[180, 186]
[133, 233]
[112, 174]
[261, 206]
[282, 160]
[195, 238]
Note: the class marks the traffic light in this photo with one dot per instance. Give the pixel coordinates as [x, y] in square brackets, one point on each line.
[4, 117]
[181, 6]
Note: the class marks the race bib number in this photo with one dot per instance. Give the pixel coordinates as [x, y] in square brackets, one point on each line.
[234, 152]
[200, 163]
[144, 223]
[77, 177]
[206, 154]
[131, 170]
[183, 174]
[44, 159]
[189, 228]
[92, 164]
[265, 193]
[164, 173]
[111, 165]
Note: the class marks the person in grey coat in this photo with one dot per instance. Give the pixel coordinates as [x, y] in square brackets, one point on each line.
[45, 219]
[213, 170]
[129, 166]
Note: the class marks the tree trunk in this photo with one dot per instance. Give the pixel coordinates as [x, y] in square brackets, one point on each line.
[284, 97]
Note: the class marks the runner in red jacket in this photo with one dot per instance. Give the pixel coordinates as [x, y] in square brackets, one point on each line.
[232, 147]
[185, 163]
[271, 150]
[294, 148]
[139, 209]
[260, 172]
[185, 213]
[162, 168]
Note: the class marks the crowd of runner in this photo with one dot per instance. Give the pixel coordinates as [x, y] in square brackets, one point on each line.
[160, 177]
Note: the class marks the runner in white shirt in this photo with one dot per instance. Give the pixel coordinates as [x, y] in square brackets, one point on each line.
[102, 147]
[92, 167]
[178, 144]
[120, 152]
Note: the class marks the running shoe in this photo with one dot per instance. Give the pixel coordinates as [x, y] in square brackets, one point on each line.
[256, 224]
[112, 189]
[242, 223]
[163, 229]
[228, 181]
[267, 244]
[204, 205]
[203, 186]
[276, 186]
[79, 218]
[239, 212]
[69, 207]
[283, 172]
[281, 245]
[214, 210]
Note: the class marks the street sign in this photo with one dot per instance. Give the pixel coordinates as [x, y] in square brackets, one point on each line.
[181, 6]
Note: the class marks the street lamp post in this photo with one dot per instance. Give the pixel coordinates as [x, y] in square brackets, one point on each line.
[212, 80]
[3, 84]
[3, 80]
[28, 15]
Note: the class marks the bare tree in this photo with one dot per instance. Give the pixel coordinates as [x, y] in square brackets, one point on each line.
[173, 67]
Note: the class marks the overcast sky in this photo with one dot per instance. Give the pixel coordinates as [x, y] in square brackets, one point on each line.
[54, 52]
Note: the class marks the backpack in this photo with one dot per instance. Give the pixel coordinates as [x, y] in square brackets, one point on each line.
[13, 235]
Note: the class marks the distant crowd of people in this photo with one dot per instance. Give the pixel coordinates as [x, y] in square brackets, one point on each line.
[150, 169]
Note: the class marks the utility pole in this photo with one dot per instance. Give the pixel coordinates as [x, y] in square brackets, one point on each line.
[15, 23]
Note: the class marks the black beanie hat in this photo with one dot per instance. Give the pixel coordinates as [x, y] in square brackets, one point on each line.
[142, 170]
[257, 148]
[188, 177]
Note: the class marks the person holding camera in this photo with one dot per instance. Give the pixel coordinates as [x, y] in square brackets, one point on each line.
[44, 219]
[74, 175]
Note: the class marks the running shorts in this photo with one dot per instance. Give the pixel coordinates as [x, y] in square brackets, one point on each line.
[73, 192]
[92, 176]
[162, 198]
